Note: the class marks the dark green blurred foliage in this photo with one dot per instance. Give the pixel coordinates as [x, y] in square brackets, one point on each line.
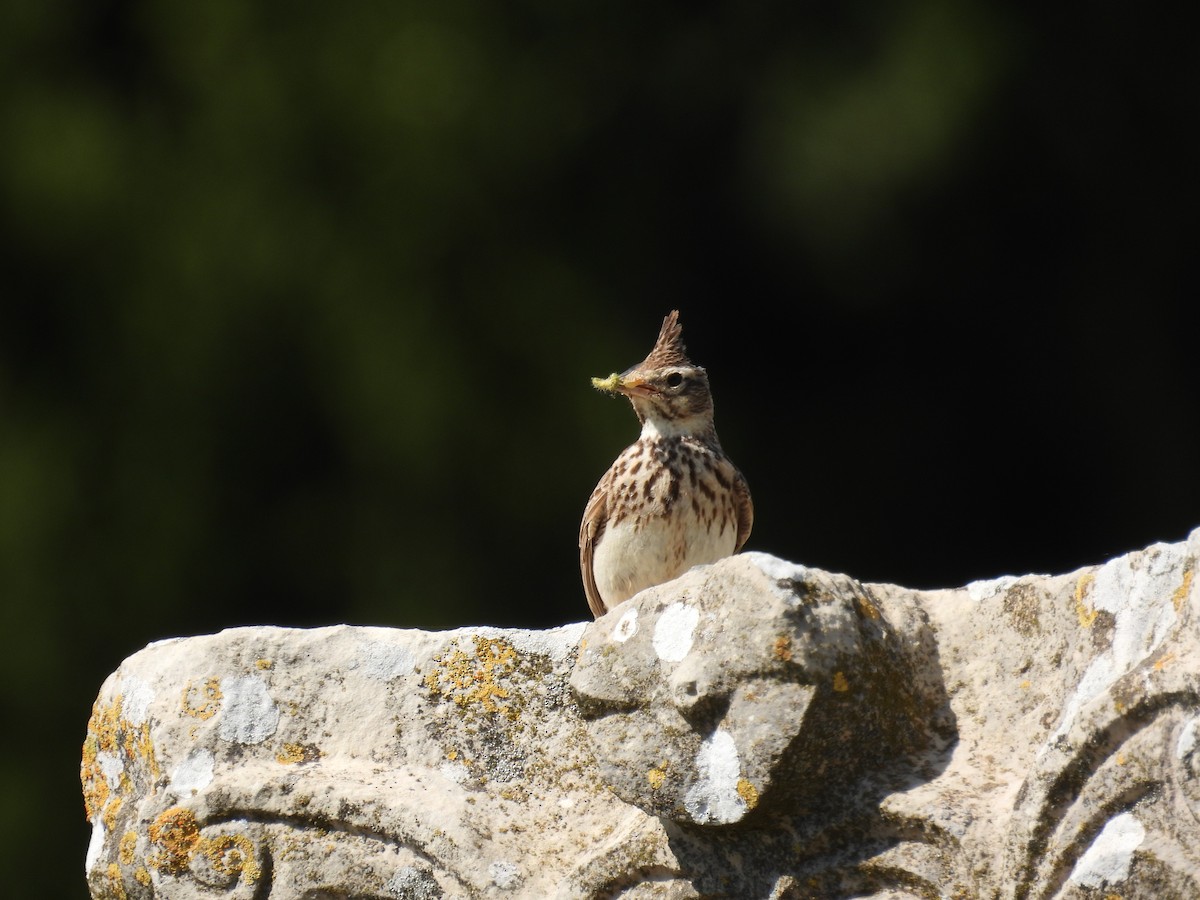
[299, 306]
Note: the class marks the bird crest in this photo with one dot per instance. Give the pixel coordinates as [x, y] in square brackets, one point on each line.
[668, 349]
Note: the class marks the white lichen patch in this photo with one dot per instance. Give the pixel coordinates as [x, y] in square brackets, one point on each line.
[411, 883]
[775, 568]
[111, 765]
[627, 626]
[505, 875]
[1137, 591]
[985, 589]
[249, 715]
[385, 661]
[136, 697]
[1188, 738]
[784, 574]
[674, 631]
[714, 797]
[1108, 860]
[194, 774]
[455, 771]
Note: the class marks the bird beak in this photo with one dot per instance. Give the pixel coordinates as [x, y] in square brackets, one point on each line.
[628, 383]
[633, 385]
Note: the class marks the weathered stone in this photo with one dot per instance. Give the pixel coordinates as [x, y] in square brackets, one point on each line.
[753, 685]
[753, 729]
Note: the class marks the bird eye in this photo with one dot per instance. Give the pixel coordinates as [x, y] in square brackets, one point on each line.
[674, 380]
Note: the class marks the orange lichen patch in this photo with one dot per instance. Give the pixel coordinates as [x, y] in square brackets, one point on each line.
[1181, 593]
[210, 700]
[127, 848]
[291, 754]
[840, 684]
[142, 876]
[1026, 684]
[231, 854]
[1163, 661]
[176, 833]
[263, 664]
[1121, 758]
[472, 680]
[783, 648]
[748, 793]
[1084, 610]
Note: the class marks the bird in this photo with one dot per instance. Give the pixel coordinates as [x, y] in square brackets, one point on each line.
[672, 499]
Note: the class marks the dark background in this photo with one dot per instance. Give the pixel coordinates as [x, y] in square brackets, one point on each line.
[299, 307]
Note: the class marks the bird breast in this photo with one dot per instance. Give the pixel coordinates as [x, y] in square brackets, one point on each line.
[678, 512]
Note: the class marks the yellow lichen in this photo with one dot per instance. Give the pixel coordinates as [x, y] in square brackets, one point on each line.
[104, 725]
[840, 684]
[515, 793]
[472, 681]
[95, 790]
[138, 745]
[116, 885]
[657, 776]
[109, 817]
[231, 854]
[112, 734]
[1026, 684]
[611, 383]
[142, 876]
[211, 699]
[1181, 592]
[1084, 610]
[263, 664]
[297, 753]
[748, 793]
[127, 847]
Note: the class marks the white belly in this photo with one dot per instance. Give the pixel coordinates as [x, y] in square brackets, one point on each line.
[636, 554]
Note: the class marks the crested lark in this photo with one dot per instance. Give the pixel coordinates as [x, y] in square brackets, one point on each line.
[672, 500]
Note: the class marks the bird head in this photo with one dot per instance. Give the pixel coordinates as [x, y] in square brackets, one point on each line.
[669, 393]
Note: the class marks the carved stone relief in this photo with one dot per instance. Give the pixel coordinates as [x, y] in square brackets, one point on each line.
[752, 729]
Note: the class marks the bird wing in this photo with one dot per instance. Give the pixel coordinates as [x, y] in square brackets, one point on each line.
[591, 529]
[745, 509]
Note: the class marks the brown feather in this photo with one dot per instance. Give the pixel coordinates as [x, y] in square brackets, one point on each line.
[591, 529]
[745, 510]
[668, 350]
